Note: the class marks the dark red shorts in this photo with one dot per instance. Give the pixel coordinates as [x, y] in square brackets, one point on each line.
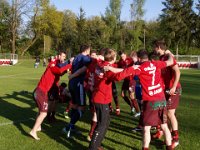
[125, 85]
[41, 99]
[173, 100]
[154, 113]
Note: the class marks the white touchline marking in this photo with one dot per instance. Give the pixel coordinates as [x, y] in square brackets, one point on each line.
[13, 122]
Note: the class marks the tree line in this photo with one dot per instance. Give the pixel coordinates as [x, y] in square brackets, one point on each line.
[35, 27]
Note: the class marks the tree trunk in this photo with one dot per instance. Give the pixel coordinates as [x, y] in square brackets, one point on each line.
[13, 42]
[29, 45]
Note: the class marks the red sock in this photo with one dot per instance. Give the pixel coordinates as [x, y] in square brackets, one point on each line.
[143, 148]
[135, 105]
[169, 147]
[93, 126]
[175, 136]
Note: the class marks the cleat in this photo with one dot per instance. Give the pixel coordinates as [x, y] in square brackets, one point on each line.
[175, 144]
[157, 135]
[137, 115]
[137, 129]
[89, 138]
[117, 112]
[66, 114]
[132, 111]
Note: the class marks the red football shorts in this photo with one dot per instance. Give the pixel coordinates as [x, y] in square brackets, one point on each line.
[173, 100]
[154, 113]
[41, 99]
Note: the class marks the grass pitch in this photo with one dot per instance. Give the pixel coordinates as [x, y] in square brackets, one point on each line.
[18, 111]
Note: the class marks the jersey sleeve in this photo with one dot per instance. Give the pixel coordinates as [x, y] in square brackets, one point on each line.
[121, 75]
[59, 71]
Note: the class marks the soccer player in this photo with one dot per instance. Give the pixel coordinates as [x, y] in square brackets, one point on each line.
[171, 76]
[125, 62]
[41, 92]
[102, 96]
[76, 88]
[154, 103]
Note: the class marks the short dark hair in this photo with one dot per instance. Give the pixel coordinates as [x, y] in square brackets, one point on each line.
[153, 56]
[121, 52]
[142, 54]
[61, 52]
[161, 44]
[84, 47]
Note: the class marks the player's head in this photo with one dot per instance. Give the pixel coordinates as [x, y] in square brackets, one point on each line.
[93, 54]
[134, 56]
[153, 56]
[85, 49]
[122, 55]
[159, 46]
[62, 56]
[110, 55]
[142, 55]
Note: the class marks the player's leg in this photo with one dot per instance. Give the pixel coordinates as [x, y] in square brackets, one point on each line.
[146, 137]
[172, 104]
[103, 119]
[37, 125]
[42, 102]
[93, 126]
[167, 134]
[115, 97]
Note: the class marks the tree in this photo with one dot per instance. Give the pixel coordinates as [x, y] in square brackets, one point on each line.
[69, 31]
[177, 22]
[137, 28]
[112, 20]
[4, 24]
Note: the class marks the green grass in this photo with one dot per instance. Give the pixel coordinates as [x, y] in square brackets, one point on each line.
[18, 111]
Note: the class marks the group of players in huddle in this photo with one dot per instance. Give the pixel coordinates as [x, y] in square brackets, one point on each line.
[151, 88]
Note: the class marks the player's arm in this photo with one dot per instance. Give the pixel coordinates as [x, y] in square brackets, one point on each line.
[78, 72]
[176, 80]
[170, 60]
[60, 71]
[117, 70]
[112, 69]
[125, 73]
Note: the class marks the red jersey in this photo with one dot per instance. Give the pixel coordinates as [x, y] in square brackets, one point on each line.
[103, 82]
[50, 76]
[150, 77]
[168, 74]
[125, 64]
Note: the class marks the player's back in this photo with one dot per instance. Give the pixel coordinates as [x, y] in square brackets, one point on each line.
[150, 78]
[78, 62]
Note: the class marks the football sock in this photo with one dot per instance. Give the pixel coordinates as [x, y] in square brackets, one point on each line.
[127, 100]
[135, 105]
[175, 136]
[93, 126]
[169, 147]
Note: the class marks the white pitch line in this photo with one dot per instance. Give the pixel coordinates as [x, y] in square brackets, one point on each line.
[14, 75]
[13, 122]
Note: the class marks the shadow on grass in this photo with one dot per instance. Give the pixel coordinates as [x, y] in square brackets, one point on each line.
[21, 105]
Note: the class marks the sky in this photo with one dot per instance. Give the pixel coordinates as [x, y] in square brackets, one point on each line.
[96, 7]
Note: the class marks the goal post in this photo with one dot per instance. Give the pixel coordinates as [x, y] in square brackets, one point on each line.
[8, 59]
[188, 61]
